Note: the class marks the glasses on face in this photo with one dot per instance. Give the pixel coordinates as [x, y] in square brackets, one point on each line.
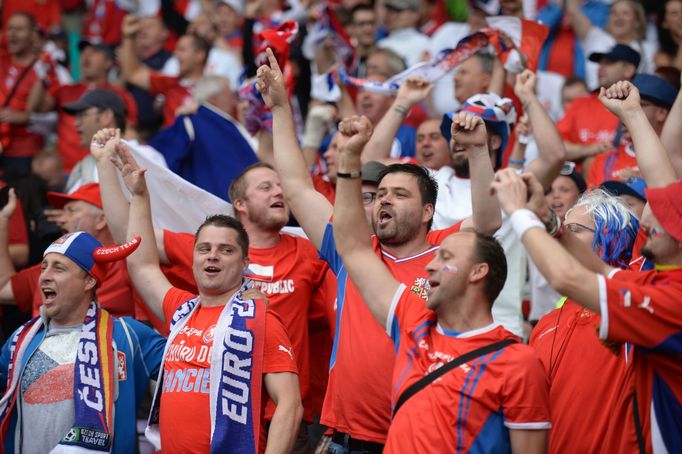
[653, 231]
[576, 227]
[368, 197]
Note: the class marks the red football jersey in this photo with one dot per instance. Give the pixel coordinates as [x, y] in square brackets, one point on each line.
[575, 360]
[288, 273]
[643, 308]
[358, 400]
[177, 92]
[472, 407]
[606, 165]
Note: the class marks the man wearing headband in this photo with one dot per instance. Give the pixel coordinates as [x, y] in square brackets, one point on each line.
[224, 346]
[73, 377]
[639, 307]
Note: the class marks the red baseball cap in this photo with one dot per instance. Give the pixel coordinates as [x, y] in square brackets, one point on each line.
[87, 193]
[666, 204]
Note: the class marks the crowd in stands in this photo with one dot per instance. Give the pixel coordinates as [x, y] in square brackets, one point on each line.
[340, 226]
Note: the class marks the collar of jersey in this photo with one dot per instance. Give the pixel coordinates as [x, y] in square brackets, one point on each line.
[465, 334]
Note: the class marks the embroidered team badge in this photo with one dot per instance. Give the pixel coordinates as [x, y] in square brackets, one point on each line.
[122, 366]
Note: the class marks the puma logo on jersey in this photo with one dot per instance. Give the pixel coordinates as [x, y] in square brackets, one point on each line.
[282, 348]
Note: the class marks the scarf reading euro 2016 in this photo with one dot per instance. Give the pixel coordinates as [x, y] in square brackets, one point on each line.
[234, 394]
[93, 383]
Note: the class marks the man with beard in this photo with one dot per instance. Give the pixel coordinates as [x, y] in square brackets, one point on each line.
[358, 405]
[284, 267]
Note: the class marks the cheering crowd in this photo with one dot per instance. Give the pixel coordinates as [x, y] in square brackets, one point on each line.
[340, 226]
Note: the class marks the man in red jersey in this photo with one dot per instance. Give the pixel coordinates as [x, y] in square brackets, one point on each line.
[284, 267]
[638, 307]
[496, 401]
[587, 128]
[357, 405]
[191, 52]
[566, 339]
[96, 60]
[656, 98]
[17, 78]
[224, 346]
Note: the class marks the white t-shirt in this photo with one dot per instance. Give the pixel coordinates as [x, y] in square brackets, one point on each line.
[453, 205]
[46, 394]
[409, 43]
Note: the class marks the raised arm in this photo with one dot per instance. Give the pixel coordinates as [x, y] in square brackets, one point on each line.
[622, 98]
[468, 132]
[671, 136]
[351, 231]
[552, 151]
[311, 209]
[143, 264]
[563, 272]
[132, 69]
[581, 24]
[413, 91]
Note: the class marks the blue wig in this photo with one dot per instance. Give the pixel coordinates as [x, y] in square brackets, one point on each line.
[616, 227]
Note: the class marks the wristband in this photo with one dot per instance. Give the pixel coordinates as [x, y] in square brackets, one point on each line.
[517, 162]
[523, 220]
[349, 175]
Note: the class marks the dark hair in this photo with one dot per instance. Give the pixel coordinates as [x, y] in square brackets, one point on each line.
[228, 222]
[574, 80]
[666, 42]
[486, 60]
[200, 44]
[28, 16]
[237, 189]
[488, 250]
[428, 188]
[119, 120]
[669, 73]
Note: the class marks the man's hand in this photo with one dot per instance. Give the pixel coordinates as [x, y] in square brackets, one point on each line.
[511, 190]
[13, 116]
[133, 174]
[620, 98]
[359, 131]
[627, 173]
[10, 206]
[104, 143]
[130, 26]
[270, 83]
[413, 91]
[537, 202]
[525, 86]
[467, 131]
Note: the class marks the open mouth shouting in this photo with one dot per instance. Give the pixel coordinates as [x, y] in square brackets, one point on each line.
[384, 217]
[49, 295]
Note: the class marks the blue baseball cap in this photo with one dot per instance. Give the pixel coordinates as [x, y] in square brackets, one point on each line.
[619, 52]
[655, 89]
[634, 187]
